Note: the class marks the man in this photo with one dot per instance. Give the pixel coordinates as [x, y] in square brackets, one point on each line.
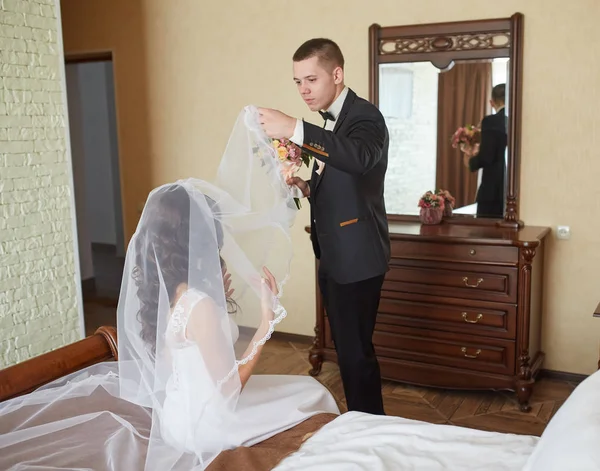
[491, 158]
[349, 228]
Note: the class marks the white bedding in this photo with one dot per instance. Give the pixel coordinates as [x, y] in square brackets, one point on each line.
[357, 441]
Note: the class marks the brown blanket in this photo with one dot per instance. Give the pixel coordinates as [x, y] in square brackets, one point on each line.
[82, 444]
[266, 455]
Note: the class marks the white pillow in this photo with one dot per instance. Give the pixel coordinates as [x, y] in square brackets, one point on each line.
[571, 441]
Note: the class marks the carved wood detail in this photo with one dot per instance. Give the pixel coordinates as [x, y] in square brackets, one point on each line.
[459, 42]
[442, 44]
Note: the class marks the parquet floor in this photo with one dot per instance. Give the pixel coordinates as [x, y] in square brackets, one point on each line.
[487, 410]
[484, 410]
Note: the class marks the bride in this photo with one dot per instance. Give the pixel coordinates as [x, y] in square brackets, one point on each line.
[200, 296]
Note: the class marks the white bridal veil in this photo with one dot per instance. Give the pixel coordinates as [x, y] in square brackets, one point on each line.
[184, 338]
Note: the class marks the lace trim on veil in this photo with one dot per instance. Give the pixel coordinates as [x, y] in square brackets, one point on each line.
[281, 313]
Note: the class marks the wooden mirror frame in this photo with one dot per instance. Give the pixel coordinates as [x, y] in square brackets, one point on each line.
[441, 44]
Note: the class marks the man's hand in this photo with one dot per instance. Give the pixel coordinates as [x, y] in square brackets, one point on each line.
[276, 124]
[466, 158]
[301, 184]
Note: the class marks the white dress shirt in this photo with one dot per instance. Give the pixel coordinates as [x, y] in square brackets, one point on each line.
[335, 109]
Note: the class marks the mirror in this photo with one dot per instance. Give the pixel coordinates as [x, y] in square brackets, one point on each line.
[429, 81]
[423, 107]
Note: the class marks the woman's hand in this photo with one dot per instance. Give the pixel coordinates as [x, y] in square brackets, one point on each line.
[227, 283]
[269, 291]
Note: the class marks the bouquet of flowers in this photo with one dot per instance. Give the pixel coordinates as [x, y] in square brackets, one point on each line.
[432, 208]
[431, 200]
[291, 158]
[467, 138]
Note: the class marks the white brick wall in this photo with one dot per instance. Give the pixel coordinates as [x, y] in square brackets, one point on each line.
[38, 290]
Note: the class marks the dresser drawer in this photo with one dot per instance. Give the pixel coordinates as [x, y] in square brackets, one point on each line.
[474, 253]
[479, 318]
[467, 281]
[441, 348]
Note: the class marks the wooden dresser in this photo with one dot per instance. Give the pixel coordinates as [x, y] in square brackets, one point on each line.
[460, 308]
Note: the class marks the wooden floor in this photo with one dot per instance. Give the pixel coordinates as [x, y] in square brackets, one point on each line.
[495, 411]
[484, 410]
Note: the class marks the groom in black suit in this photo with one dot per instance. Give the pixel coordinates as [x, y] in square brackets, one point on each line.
[491, 159]
[349, 228]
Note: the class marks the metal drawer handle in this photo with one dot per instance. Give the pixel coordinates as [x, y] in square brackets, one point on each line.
[472, 252]
[466, 282]
[466, 319]
[464, 350]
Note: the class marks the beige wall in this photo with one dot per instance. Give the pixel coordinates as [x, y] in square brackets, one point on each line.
[183, 74]
[39, 308]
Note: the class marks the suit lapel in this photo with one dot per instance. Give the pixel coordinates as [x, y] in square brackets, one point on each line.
[338, 123]
[348, 102]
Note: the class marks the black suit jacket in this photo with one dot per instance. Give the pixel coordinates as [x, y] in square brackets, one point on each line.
[349, 227]
[492, 160]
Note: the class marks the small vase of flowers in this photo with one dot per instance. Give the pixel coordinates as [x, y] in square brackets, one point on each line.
[448, 202]
[432, 208]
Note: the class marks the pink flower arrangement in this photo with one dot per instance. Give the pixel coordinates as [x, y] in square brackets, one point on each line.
[431, 200]
[448, 201]
[468, 136]
[448, 198]
[291, 158]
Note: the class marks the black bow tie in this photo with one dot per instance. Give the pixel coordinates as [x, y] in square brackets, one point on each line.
[327, 115]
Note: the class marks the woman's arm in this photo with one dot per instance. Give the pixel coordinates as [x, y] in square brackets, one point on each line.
[246, 370]
[269, 292]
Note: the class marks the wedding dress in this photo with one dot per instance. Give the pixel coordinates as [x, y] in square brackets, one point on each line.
[175, 399]
[267, 405]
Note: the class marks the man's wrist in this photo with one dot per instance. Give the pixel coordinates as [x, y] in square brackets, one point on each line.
[298, 133]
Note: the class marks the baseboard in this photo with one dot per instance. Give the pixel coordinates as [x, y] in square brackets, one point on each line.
[562, 376]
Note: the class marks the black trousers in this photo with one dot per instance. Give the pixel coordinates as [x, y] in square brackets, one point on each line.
[352, 311]
[490, 209]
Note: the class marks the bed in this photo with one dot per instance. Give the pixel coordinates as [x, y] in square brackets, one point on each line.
[352, 441]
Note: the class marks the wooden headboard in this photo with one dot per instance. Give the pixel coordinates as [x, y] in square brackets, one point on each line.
[24, 377]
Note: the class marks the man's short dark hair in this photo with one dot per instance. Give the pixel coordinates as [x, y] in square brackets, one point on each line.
[328, 52]
[498, 93]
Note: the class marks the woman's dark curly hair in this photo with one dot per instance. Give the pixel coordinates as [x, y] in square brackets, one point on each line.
[163, 239]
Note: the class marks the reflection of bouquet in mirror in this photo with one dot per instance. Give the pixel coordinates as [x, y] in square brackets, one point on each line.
[467, 138]
[448, 202]
[291, 158]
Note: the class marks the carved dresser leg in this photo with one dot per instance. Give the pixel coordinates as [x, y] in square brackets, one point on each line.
[524, 390]
[525, 379]
[316, 360]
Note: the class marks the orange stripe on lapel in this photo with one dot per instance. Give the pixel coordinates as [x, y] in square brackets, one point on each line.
[316, 151]
[351, 221]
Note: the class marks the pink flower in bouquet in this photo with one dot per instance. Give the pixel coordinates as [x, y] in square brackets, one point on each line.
[291, 158]
[448, 198]
[431, 200]
[288, 151]
[466, 137]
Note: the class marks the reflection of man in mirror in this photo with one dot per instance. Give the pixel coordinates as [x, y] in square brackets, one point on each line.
[490, 158]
